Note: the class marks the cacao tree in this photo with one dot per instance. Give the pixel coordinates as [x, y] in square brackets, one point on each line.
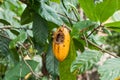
[59, 39]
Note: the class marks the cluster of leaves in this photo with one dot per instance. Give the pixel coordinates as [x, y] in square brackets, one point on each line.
[27, 31]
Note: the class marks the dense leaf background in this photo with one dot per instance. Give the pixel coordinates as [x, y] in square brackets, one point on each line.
[27, 29]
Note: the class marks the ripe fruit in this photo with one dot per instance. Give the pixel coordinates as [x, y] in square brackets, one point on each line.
[61, 43]
[118, 78]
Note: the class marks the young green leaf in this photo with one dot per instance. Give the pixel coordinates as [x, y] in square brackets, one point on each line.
[64, 67]
[105, 9]
[118, 5]
[110, 69]
[19, 39]
[57, 1]
[88, 7]
[82, 26]
[100, 11]
[85, 61]
[115, 26]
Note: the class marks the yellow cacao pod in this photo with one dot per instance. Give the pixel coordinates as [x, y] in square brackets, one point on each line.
[61, 43]
[118, 78]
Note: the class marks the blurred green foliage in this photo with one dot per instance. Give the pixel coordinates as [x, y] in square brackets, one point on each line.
[114, 42]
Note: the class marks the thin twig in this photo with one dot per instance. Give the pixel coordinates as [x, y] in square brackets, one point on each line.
[24, 48]
[28, 65]
[30, 40]
[103, 50]
[95, 29]
[85, 40]
[36, 75]
[20, 44]
[26, 62]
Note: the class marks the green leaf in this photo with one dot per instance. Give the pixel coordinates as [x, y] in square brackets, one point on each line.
[64, 67]
[4, 45]
[40, 48]
[40, 29]
[51, 26]
[110, 69]
[13, 44]
[117, 29]
[27, 16]
[4, 22]
[91, 42]
[3, 67]
[82, 26]
[20, 39]
[115, 26]
[15, 32]
[1, 77]
[14, 6]
[100, 11]
[85, 61]
[50, 14]
[89, 8]
[92, 47]
[118, 4]
[46, 12]
[20, 70]
[98, 40]
[51, 62]
[10, 18]
[105, 9]
[57, 1]
[79, 44]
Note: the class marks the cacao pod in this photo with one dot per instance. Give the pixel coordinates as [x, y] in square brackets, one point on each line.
[61, 43]
[118, 78]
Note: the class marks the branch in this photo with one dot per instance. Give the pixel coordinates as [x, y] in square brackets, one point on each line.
[103, 50]
[37, 76]
[95, 29]
[85, 40]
